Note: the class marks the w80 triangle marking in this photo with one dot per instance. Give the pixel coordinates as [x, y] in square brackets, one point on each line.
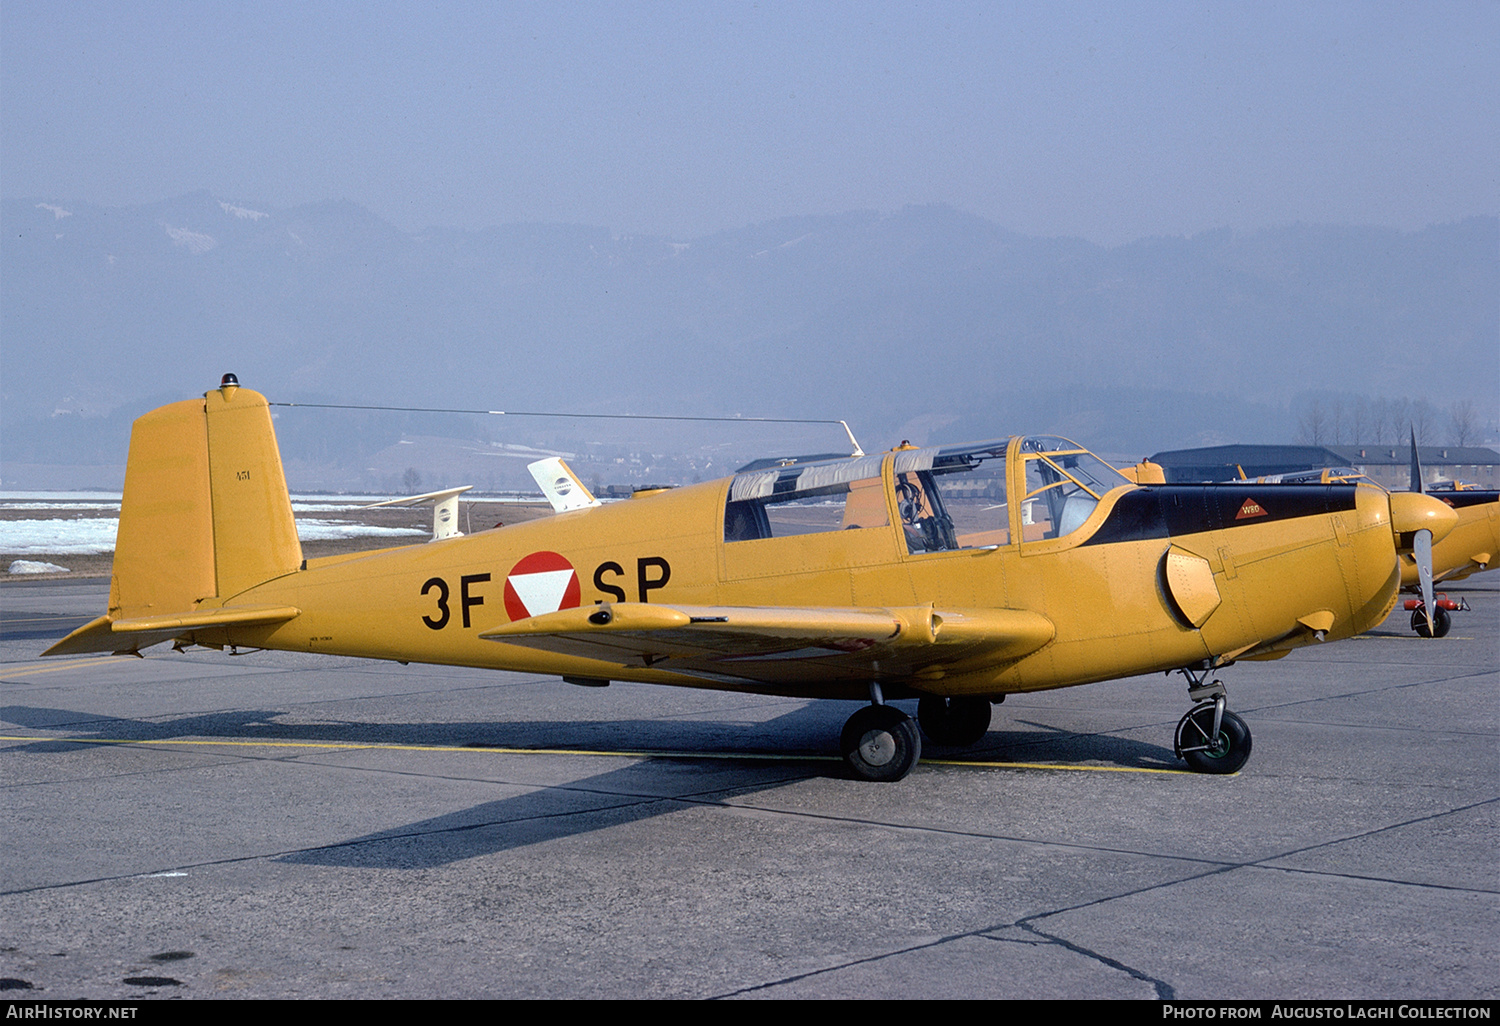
[540, 583]
[1251, 508]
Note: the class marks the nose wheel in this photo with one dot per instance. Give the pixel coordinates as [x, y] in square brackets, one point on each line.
[1210, 738]
[1208, 748]
[1438, 628]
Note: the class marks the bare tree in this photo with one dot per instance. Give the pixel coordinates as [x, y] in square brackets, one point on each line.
[1359, 422]
[1312, 426]
[411, 481]
[1400, 420]
[1423, 420]
[1380, 421]
[1463, 423]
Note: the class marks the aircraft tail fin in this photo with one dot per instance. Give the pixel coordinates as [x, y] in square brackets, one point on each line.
[444, 509]
[561, 486]
[205, 514]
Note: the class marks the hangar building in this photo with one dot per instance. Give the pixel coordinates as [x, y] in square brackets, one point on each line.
[1387, 465]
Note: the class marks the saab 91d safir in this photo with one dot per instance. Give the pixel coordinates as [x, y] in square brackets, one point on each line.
[952, 575]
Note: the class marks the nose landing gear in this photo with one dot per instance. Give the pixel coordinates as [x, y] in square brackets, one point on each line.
[1441, 621]
[1210, 738]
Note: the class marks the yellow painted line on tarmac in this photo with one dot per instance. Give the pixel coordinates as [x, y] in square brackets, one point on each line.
[1410, 637]
[1054, 766]
[354, 746]
[52, 666]
[659, 754]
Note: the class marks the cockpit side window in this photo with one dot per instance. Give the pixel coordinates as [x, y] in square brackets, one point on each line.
[952, 498]
[805, 499]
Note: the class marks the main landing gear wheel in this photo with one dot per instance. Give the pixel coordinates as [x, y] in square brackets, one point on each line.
[1209, 752]
[1441, 622]
[881, 743]
[957, 722]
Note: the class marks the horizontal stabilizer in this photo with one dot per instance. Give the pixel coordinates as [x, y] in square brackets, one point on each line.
[94, 636]
[123, 635]
[561, 486]
[779, 643]
[242, 616]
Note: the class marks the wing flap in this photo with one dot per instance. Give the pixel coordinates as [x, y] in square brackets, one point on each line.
[784, 644]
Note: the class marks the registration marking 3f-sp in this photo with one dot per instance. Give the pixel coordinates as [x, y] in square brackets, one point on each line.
[540, 583]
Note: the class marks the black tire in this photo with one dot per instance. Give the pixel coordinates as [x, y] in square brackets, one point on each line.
[956, 722]
[1225, 754]
[1442, 622]
[881, 743]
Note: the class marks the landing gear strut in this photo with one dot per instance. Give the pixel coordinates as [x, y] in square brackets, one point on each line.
[880, 742]
[1210, 737]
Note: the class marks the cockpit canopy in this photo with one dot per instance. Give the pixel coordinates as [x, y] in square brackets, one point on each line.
[944, 497]
[1064, 482]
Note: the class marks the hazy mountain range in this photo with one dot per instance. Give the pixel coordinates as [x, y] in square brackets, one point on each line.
[927, 322]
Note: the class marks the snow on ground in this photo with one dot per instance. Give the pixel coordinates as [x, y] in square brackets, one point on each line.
[31, 566]
[94, 535]
[90, 535]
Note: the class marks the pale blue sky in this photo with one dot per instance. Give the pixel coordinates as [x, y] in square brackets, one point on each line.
[1106, 121]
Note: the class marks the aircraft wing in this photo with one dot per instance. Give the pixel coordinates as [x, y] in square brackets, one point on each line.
[785, 644]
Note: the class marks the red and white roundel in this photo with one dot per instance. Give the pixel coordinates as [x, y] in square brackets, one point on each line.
[543, 582]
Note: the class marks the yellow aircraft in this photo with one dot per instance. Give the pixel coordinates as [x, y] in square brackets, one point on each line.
[1467, 549]
[953, 575]
[1473, 542]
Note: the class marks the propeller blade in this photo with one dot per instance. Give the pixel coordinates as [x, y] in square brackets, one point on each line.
[1416, 465]
[1421, 548]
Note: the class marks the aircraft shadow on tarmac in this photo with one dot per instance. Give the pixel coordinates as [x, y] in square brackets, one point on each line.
[809, 730]
[552, 812]
[557, 810]
[627, 795]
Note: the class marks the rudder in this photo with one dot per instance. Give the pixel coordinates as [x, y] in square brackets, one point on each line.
[205, 514]
[255, 534]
